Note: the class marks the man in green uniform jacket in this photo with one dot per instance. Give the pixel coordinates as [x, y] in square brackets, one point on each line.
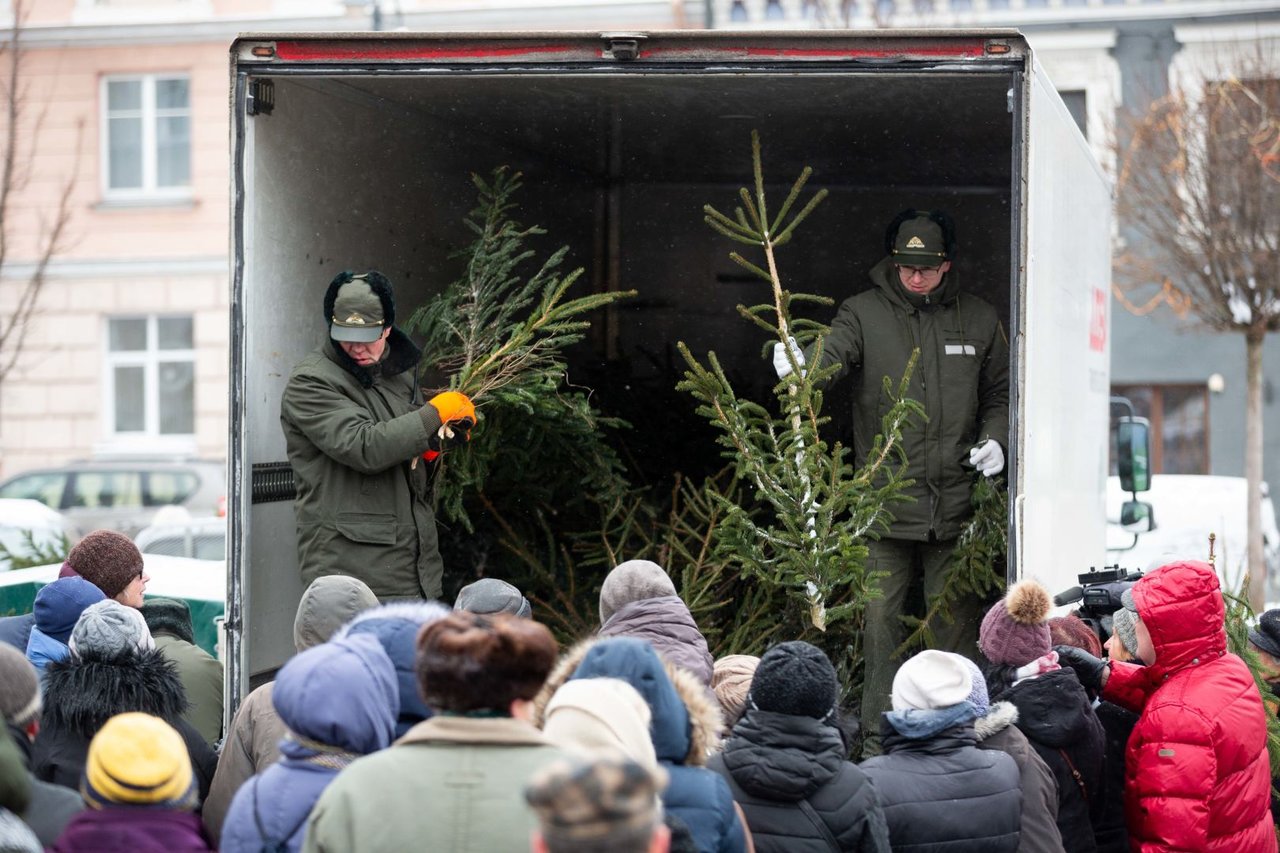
[962, 379]
[362, 446]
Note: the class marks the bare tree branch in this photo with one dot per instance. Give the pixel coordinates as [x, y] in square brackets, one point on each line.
[15, 168]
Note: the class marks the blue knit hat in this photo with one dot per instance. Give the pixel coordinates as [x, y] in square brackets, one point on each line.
[59, 604]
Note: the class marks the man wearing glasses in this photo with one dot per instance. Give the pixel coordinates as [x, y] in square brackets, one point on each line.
[962, 379]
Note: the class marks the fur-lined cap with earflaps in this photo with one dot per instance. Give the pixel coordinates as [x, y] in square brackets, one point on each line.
[377, 282]
[1015, 630]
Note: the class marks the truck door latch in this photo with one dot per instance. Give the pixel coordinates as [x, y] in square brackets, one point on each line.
[623, 47]
[261, 97]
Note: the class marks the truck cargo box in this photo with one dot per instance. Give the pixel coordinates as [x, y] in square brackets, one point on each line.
[354, 151]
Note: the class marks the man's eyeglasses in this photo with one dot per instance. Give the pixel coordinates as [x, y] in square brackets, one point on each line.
[925, 273]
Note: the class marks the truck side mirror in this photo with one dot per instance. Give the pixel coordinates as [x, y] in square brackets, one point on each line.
[1137, 517]
[1133, 453]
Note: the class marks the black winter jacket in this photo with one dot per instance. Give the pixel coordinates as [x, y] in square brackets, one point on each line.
[84, 691]
[1108, 815]
[942, 794]
[773, 762]
[1057, 717]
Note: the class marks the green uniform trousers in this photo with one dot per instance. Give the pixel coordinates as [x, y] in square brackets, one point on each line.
[903, 561]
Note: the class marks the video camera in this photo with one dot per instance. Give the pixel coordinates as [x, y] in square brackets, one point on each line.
[1099, 596]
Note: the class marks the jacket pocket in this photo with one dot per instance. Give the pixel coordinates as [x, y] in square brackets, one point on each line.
[369, 528]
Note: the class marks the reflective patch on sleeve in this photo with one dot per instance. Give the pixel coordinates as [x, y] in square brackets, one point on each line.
[961, 349]
[1165, 753]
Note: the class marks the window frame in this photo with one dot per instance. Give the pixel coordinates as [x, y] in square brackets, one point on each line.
[149, 359]
[150, 115]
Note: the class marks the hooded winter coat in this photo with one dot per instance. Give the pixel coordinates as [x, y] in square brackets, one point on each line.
[135, 829]
[1057, 717]
[451, 783]
[1039, 832]
[396, 627]
[774, 762]
[339, 702]
[252, 742]
[942, 794]
[43, 650]
[1196, 771]
[685, 727]
[355, 439]
[667, 625]
[84, 691]
[962, 378]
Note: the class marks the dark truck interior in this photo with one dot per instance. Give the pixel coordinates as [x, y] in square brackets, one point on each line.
[375, 171]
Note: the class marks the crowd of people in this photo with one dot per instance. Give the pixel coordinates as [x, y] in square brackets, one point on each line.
[419, 726]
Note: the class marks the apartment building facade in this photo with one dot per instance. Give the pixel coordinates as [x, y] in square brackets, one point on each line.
[126, 109]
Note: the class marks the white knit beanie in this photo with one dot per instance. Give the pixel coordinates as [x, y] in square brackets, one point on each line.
[931, 680]
[599, 718]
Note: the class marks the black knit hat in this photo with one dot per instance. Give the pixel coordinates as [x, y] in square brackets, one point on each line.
[169, 616]
[1267, 635]
[795, 678]
[108, 560]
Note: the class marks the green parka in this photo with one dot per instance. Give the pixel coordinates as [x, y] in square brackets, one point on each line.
[363, 506]
[962, 379]
[450, 784]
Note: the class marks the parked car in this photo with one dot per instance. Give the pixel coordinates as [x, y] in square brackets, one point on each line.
[122, 494]
[49, 530]
[175, 533]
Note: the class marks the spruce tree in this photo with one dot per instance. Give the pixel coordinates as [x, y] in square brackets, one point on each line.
[803, 514]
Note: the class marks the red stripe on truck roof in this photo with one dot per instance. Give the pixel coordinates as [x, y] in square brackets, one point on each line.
[362, 50]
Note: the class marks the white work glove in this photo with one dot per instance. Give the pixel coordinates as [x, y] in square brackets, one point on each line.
[987, 457]
[780, 363]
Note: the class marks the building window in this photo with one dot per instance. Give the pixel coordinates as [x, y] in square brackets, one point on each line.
[151, 372]
[1179, 416]
[147, 135]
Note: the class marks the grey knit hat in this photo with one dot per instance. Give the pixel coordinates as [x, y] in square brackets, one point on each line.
[490, 595]
[634, 580]
[1124, 626]
[19, 687]
[109, 629]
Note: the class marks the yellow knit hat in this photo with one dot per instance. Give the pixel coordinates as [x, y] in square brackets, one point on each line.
[138, 759]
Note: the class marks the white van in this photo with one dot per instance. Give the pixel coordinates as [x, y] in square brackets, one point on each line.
[1187, 508]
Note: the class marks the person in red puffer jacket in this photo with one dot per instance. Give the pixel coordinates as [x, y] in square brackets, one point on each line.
[1196, 769]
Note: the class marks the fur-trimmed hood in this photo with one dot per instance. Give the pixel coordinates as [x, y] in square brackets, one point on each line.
[686, 720]
[999, 717]
[84, 691]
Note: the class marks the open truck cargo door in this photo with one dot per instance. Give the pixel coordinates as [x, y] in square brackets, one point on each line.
[355, 152]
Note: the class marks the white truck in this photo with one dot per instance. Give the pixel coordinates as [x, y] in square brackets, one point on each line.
[354, 151]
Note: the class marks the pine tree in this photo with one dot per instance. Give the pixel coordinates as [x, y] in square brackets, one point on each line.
[801, 520]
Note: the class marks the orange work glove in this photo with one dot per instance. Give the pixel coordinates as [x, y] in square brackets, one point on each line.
[457, 417]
